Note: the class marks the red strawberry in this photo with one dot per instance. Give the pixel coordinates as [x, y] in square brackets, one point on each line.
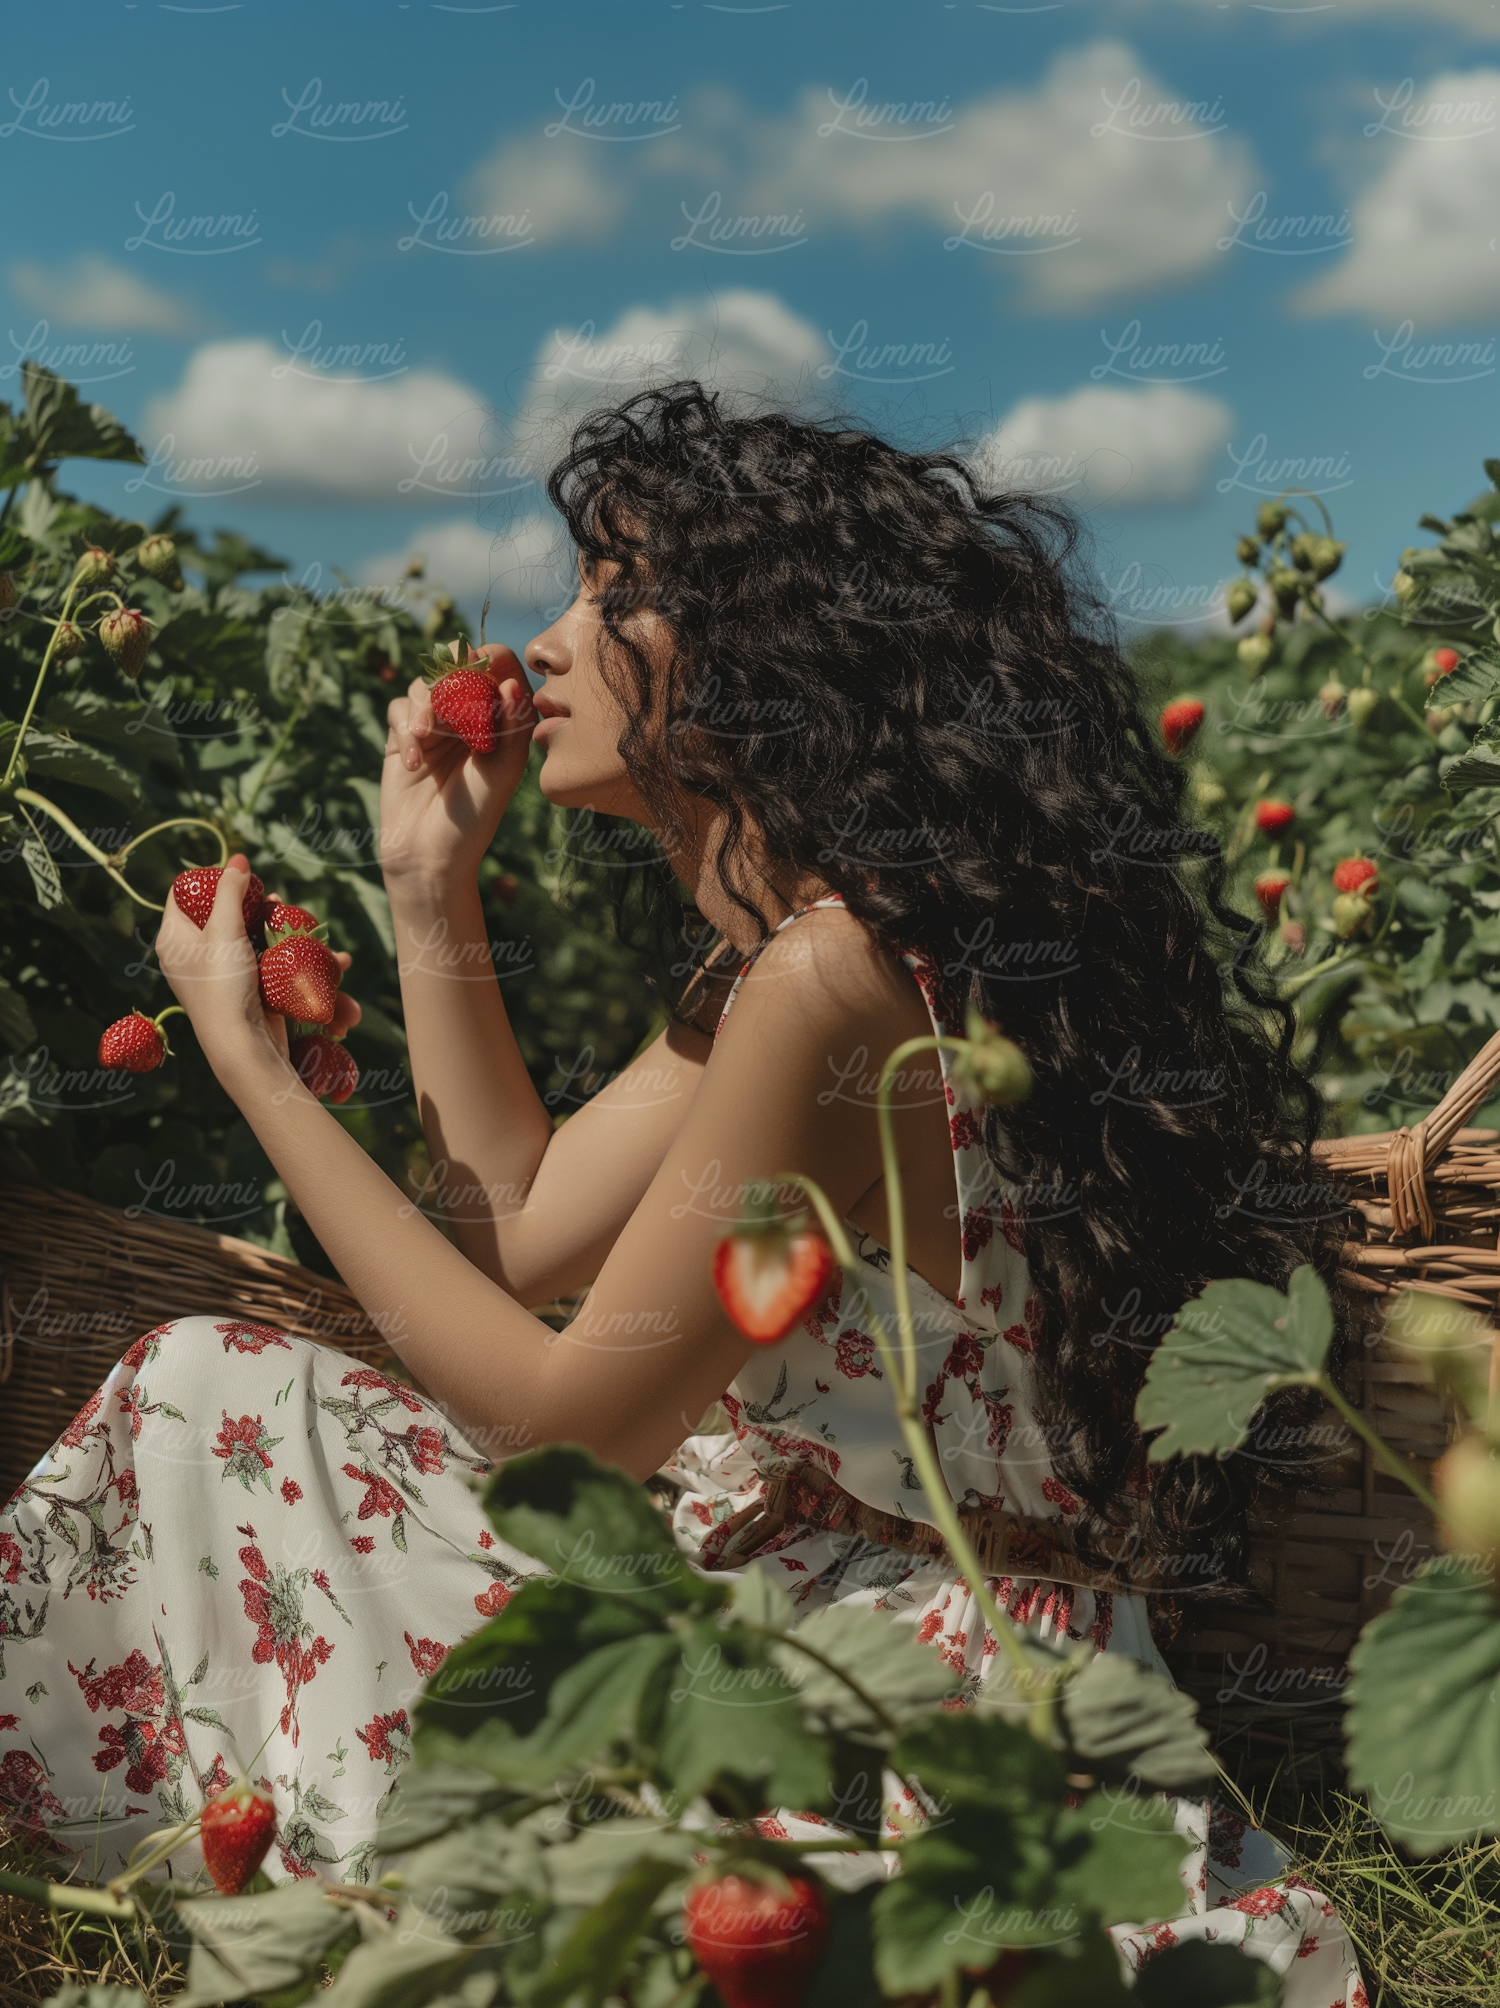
[760, 1946]
[327, 1068]
[194, 892]
[299, 977]
[1179, 723]
[1356, 875]
[289, 919]
[132, 1045]
[1272, 816]
[237, 1830]
[1440, 662]
[467, 703]
[1268, 890]
[769, 1272]
[126, 636]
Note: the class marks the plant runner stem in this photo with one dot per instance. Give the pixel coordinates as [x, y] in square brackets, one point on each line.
[41, 677]
[63, 1896]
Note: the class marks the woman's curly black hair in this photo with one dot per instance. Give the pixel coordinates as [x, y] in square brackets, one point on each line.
[899, 676]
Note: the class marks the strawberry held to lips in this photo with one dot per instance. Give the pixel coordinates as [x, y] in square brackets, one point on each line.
[466, 701]
[236, 1829]
[769, 1271]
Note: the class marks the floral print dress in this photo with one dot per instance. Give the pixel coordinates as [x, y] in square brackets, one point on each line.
[250, 1552]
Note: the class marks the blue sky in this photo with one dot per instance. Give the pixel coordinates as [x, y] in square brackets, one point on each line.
[347, 268]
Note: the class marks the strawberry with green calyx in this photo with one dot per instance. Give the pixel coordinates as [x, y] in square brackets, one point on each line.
[137, 1044]
[69, 643]
[1286, 590]
[1209, 793]
[1247, 550]
[94, 568]
[299, 976]
[1356, 875]
[126, 636]
[1438, 663]
[157, 555]
[326, 1066]
[1404, 586]
[770, 1271]
[1255, 652]
[993, 1066]
[237, 1829]
[1270, 519]
[289, 919]
[194, 891]
[1361, 703]
[1239, 599]
[465, 699]
[1269, 888]
[1331, 696]
[759, 1938]
[1180, 721]
[1352, 914]
[1272, 816]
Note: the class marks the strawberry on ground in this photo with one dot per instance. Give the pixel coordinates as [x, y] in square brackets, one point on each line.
[327, 1068]
[769, 1272]
[1179, 723]
[194, 892]
[467, 703]
[237, 1830]
[1356, 875]
[132, 1045]
[1272, 816]
[1268, 890]
[759, 1945]
[299, 978]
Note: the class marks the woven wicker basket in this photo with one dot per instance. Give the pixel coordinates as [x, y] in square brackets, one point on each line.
[79, 1282]
[1425, 1215]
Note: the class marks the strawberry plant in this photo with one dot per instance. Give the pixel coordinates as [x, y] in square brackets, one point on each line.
[164, 700]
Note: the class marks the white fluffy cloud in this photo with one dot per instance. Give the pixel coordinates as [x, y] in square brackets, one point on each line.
[1425, 229]
[91, 292]
[308, 434]
[523, 569]
[1108, 443]
[1097, 181]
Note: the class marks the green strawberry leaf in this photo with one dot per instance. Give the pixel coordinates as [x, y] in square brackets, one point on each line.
[885, 1661]
[592, 1525]
[727, 1709]
[593, 1958]
[1125, 1868]
[1122, 1719]
[260, 1946]
[1229, 1348]
[1424, 1710]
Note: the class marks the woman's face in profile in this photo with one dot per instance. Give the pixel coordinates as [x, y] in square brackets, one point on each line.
[582, 721]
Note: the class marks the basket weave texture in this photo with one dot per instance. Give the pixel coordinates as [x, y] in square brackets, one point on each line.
[1424, 1214]
[79, 1282]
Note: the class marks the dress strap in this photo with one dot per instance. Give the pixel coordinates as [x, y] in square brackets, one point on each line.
[832, 899]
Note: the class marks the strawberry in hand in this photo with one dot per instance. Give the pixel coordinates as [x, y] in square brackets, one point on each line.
[770, 1272]
[237, 1829]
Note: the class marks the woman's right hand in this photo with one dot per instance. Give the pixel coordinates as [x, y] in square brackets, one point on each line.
[440, 804]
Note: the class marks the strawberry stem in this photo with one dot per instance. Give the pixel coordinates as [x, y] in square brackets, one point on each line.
[41, 677]
[63, 1896]
[29, 795]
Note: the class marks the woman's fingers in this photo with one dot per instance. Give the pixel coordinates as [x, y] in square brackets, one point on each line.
[412, 730]
[346, 1015]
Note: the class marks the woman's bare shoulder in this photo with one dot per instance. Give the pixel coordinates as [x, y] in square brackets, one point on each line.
[827, 970]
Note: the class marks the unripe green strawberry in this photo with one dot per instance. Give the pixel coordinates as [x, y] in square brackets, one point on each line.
[1239, 599]
[1208, 794]
[1269, 518]
[158, 556]
[1362, 702]
[1352, 914]
[1404, 586]
[1286, 589]
[1331, 696]
[994, 1065]
[94, 567]
[1254, 652]
[126, 635]
[70, 643]
[1327, 556]
[1467, 1482]
[1247, 550]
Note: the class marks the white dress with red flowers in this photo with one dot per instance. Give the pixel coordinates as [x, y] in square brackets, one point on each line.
[250, 1551]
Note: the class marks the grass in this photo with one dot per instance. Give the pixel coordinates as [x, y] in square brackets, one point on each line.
[43, 1950]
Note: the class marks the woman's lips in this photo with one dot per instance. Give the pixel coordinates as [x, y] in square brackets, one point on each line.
[545, 723]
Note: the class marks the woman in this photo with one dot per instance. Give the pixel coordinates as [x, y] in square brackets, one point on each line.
[885, 739]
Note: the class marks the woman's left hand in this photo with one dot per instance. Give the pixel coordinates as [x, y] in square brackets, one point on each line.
[212, 973]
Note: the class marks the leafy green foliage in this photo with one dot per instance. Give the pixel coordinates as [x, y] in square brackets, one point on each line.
[1424, 1709]
[1227, 1350]
[261, 711]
